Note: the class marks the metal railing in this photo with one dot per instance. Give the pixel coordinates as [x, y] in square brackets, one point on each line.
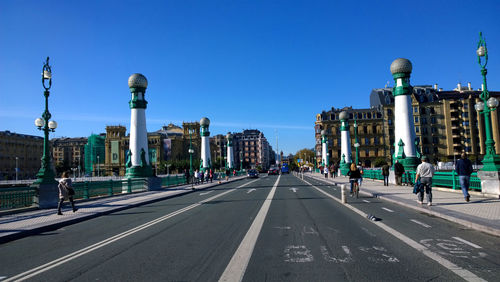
[440, 179]
[21, 197]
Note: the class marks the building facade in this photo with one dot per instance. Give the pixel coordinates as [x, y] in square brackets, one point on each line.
[20, 151]
[68, 153]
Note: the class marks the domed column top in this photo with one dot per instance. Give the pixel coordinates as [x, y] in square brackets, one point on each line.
[401, 69]
[344, 116]
[205, 123]
[138, 84]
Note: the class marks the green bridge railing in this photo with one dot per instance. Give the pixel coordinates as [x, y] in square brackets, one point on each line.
[448, 179]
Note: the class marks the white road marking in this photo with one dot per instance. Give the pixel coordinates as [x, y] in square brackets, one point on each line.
[297, 254]
[251, 190]
[327, 257]
[236, 268]
[467, 242]
[368, 232]
[366, 201]
[386, 209]
[309, 230]
[3, 277]
[421, 223]
[293, 189]
[283, 227]
[45, 267]
[205, 193]
[463, 273]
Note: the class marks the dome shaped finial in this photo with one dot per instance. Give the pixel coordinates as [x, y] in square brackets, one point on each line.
[205, 121]
[137, 80]
[401, 65]
[343, 115]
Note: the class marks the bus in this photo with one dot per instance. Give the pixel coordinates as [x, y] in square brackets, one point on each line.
[284, 168]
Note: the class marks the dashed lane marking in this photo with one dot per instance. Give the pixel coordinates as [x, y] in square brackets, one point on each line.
[420, 223]
[386, 209]
[366, 201]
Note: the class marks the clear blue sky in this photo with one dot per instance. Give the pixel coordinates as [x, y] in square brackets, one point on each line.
[270, 65]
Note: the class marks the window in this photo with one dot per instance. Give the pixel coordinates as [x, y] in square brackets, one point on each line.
[374, 129]
[365, 129]
[423, 120]
[435, 140]
[433, 130]
[426, 150]
[424, 130]
[417, 129]
[369, 115]
[416, 119]
[433, 120]
[415, 109]
[465, 123]
[367, 153]
[465, 115]
[389, 121]
[389, 112]
[432, 110]
[367, 141]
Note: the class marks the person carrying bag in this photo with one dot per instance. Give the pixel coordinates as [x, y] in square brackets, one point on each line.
[65, 191]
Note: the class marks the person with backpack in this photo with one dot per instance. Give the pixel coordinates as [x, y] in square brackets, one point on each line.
[424, 173]
[399, 170]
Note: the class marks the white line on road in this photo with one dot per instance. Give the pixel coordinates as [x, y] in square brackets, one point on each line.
[205, 193]
[293, 189]
[386, 209]
[463, 273]
[42, 268]
[251, 190]
[366, 201]
[467, 242]
[420, 223]
[236, 268]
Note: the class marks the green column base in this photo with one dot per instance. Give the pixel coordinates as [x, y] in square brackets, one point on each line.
[491, 163]
[139, 171]
[410, 163]
[344, 168]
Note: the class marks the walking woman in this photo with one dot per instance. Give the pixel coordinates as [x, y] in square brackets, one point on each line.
[65, 191]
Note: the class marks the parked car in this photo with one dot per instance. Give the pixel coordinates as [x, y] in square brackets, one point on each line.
[252, 173]
[273, 171]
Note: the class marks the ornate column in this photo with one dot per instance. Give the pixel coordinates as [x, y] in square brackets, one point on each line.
[345, 141]
[206, 162]
[404, 127]
[324, 149]
[230, 152]
[138, 164]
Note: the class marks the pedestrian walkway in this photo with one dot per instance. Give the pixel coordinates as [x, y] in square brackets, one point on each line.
[480, 213]
[22, 224]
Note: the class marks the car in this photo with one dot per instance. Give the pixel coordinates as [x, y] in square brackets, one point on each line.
[252, 173]
[272, 171]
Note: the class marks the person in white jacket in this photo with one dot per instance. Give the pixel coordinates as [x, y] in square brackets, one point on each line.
[65, 192]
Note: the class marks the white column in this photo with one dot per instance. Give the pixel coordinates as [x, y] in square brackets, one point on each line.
[346, 145]
[230, 157]
[323, 152]
[138, 136]
[205, 151]
[404, 126]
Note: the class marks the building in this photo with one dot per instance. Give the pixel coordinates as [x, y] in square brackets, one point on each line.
[446, 124]
[254, 147]
[95, 155]
[20, 151]
[68, 153]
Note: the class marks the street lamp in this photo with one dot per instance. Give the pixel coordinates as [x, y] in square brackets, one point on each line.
[17, 167]
[46, 175]
[191, 152]
[491, 161]
[98, 166]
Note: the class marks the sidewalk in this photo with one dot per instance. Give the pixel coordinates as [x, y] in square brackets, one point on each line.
[15, 226]
[481, 213]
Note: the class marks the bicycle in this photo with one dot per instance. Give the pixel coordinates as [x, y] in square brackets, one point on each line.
[355, 189]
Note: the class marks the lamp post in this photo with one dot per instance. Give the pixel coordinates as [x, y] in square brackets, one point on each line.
[98, 166]
[17, 159]
[46, 175]
[191, 152]
[356, 144]
[491, 161]
[241, 160]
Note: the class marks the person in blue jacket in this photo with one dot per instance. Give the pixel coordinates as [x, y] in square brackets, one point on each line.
[463, 167]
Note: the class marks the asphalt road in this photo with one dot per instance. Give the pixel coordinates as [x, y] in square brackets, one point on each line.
[276, 228]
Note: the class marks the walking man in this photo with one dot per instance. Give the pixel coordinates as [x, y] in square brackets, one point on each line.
[325, 171]
[425, 171]
[385, 173]
[399, 170]
[464, 169]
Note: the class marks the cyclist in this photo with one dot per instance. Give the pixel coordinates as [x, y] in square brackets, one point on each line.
[354, 174]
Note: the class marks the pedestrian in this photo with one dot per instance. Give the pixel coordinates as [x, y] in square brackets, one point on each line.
[202, 176]
[385, 173]
[234, 172]
[335, 170]
[211, 175]
[354, 175]
[399, 170]
[361, 171]
[325, 171]
[196, 177]
[464, 169]
[425, 171]
[66, 191]
[227, 174]
[187, 175]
